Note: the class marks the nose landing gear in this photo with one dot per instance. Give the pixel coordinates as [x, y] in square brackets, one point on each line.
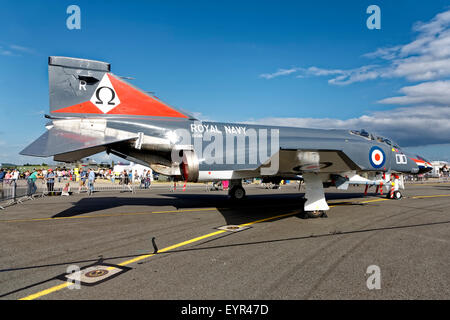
[397, 195]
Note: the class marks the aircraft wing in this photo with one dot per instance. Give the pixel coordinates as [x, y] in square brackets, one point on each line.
[290, 161]
[69, 146]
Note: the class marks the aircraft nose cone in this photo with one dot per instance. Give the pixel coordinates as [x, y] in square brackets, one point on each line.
[423, 165]
[426, 168]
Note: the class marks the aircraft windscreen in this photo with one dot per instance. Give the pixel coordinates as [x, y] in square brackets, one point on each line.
[362, 133]
[388, 142]
[367, 135]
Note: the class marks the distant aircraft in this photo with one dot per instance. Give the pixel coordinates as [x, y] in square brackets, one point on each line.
[93, 110]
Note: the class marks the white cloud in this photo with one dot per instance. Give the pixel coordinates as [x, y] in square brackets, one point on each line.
[436, 25]
[342, 77]
[5, 52]
[420, 68]
[384, 53]
[412, 126]
[425, 58]
[356, 75]
[435, 93]
[14, 50]
[279, 72]
[21, 48]
[323, 72]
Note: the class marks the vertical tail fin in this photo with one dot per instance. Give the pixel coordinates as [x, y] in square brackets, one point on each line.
[79, 86]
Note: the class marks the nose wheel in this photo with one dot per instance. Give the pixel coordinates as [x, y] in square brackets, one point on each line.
[397, 195]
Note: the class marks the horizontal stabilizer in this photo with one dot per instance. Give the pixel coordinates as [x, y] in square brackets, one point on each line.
[57, 142]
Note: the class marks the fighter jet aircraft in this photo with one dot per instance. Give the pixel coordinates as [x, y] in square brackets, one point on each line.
[92, 110]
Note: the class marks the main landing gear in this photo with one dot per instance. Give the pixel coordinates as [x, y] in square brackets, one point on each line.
[235, 190]
[315, 205]
[316, 214]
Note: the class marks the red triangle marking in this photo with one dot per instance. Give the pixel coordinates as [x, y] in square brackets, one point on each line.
[85, 107]
[135, 102]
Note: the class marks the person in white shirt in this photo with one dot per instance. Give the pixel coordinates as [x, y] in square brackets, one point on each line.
[15, 175]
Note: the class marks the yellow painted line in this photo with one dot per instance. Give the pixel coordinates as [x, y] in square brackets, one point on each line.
[45, 292]
[267, 219]
[171, 247]
[107, 215]
[185, 210]
[191, 241]
[145, 256]
[374, 200]
[433, 196]
[62, 286]
[428, 184]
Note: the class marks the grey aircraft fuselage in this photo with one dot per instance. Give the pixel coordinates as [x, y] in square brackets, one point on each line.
[243, 137]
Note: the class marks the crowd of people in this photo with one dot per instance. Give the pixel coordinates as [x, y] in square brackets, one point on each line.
[9, 175]
[127, 179]
[85, 177]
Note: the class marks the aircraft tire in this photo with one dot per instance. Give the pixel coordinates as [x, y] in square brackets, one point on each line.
[397, 195]
[237, 193]
[314, 214]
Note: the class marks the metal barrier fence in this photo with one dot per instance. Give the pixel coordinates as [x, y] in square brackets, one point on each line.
[426, 179]
[11, 190]
[16, 191]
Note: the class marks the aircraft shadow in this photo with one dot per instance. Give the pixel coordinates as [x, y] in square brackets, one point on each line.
[235, 212]
[443, 187]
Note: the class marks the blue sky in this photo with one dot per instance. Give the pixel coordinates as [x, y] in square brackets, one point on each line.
[312, 64]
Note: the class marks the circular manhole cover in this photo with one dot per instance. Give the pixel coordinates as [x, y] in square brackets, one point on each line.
[96, 273]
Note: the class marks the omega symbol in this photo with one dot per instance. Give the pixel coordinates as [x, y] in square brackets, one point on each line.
[100, 101]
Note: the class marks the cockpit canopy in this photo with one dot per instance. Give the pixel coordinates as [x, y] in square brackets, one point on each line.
[370, 136]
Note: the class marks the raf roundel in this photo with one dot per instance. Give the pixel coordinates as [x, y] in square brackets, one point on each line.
[377, 157]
